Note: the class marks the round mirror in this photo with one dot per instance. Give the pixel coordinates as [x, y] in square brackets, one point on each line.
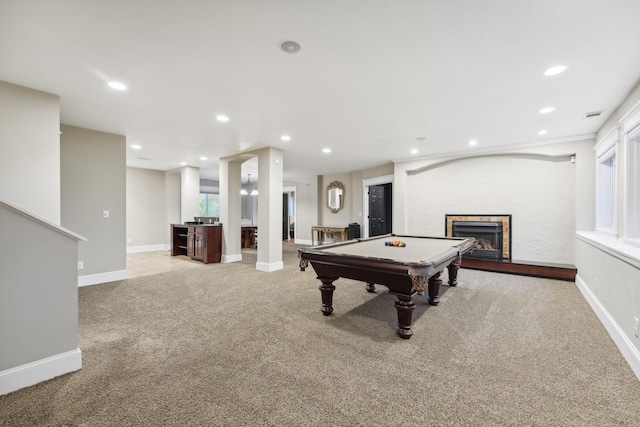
[335, 196]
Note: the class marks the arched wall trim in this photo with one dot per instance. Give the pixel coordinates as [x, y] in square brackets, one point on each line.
[556, 158]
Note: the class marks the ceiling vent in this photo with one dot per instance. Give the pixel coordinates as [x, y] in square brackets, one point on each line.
[591, 114]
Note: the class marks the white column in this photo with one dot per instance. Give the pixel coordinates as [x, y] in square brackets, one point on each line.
[270, 209]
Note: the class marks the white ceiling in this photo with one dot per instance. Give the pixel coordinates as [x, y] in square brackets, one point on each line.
[373, 80]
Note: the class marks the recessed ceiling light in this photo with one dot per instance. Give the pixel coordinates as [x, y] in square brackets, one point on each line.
[285, 138]
[290, 46]
[554, 71]
[542, 132]
[414, 151]
[546, 110]
[183, 163]
[203, 158]
[136, 147]
[117, 86]
[326, 150]
[420, 138]
[222, 118]
[473, 142]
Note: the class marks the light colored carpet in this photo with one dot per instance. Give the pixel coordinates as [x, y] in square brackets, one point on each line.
[228, 345]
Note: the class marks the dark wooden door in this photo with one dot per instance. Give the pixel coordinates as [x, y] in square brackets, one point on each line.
[379, 209]
[285, 216]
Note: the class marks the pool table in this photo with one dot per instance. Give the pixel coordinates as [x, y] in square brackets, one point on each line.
[405, 271]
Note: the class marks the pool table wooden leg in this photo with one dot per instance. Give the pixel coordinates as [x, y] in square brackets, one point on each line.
[405, 308]
[326, 289]
[434, 288]
[453, 271]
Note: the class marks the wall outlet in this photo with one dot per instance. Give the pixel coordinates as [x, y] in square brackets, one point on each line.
[129, 241]
[636, 326]
[80, 265]
[105, 214]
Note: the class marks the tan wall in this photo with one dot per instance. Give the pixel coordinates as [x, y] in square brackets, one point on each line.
[146, 208]
[30, 147]
[94, 180]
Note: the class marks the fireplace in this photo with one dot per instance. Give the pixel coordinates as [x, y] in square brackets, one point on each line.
[488, 237]
[492, 234]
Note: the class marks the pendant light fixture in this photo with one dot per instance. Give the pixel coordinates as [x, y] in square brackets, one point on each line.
[248, 187]
[244, 187]
[254, 190]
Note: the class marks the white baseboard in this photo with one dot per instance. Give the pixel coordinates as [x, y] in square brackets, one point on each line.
[626, 347]
[96, 279]
[269, 267]
[302, 242]
[231, 258]
[41, 370]
[147, 248]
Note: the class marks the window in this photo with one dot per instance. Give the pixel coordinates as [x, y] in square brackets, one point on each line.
[606, 192]
[606, 183]
[210, 205]
[632, 232]
[630, 176]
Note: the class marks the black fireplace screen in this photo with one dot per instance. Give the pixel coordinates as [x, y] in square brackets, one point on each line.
[488, 238]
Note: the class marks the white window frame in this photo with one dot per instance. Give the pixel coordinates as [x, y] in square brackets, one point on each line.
[606, 151]
[630, 131]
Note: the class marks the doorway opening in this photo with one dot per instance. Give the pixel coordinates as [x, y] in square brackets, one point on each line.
[289, 214]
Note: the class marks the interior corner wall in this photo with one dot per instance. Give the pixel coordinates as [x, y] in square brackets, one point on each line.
[93, 180]
[30, 147]
[146, 214]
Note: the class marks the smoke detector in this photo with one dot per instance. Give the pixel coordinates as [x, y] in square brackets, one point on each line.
[289, 46]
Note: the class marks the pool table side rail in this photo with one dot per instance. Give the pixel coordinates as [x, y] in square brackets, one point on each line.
[320, 252]
[398, 276]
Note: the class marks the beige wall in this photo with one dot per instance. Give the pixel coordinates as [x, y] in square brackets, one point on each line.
[146, 209]
[30, 147]
[343, 217]
[94, 180]
[38, 297]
